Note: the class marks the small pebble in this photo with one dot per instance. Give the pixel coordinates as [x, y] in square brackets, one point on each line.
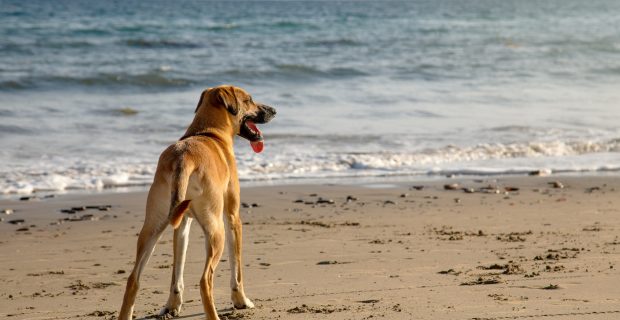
[469, 190]
[540, 173]
[328, 201]
[490, 189]
[98, 207]
[557, 185]
[451, 186]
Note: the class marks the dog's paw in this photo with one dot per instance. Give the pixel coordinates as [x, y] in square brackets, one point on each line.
[168, 313]
[245, 304]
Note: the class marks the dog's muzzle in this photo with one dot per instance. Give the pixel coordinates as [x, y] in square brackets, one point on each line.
[250, 131]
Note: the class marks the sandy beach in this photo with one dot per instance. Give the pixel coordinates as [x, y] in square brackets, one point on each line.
[461, 248]
[431, 160]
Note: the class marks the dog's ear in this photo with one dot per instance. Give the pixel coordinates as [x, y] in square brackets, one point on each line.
[202, 98]
[228, 99]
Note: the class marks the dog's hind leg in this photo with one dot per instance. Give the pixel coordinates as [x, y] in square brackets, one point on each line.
[155, 223]
[212, 224]
[234, 239]
[181, 239]
[146, 244]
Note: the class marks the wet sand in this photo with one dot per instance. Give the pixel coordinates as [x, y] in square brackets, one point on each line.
[461, 248]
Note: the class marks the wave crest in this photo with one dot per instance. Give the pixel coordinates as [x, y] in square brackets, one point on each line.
[300, 162]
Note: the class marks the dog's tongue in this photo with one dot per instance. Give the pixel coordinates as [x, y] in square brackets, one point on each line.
[257, 146]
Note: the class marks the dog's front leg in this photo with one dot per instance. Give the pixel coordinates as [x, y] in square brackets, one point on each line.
[181, 239]
[234, 238]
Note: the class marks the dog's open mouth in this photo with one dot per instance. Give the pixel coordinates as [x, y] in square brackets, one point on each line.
[250, 131]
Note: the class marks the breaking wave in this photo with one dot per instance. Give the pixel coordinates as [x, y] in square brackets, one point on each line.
[280, 165]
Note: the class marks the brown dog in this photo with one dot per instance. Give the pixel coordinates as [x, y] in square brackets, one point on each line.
[198, 176]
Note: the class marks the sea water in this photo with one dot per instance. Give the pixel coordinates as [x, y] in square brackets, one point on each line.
[92, 92]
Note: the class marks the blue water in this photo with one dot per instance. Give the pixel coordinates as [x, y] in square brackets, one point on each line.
[363, 89]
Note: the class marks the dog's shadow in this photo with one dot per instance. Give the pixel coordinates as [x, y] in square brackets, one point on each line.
[224, 314]
[158, 317]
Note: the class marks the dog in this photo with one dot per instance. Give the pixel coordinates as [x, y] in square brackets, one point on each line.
[196, 178]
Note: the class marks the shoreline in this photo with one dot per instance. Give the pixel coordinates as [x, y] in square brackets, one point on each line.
[395, 180]
[533, 248]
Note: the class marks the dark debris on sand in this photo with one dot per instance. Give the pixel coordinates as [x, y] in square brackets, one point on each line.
[326, 309]
[483, 281]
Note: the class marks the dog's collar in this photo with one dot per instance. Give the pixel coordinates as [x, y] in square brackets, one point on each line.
[207, 134]
[201, 134]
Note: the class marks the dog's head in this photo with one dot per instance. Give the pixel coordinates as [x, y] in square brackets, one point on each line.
[242, 112]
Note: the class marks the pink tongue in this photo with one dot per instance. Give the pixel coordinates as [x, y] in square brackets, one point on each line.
[257, 146]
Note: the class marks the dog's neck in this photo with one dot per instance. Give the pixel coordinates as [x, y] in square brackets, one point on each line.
[212, 121]
[215, 133]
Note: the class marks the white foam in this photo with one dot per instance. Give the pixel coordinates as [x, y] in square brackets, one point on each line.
[482, 159]
[295, 160]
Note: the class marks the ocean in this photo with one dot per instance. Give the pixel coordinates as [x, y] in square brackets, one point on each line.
[92, 91]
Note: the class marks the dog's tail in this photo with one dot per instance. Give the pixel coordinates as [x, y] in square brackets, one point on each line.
[178, 204]
[176, 214]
